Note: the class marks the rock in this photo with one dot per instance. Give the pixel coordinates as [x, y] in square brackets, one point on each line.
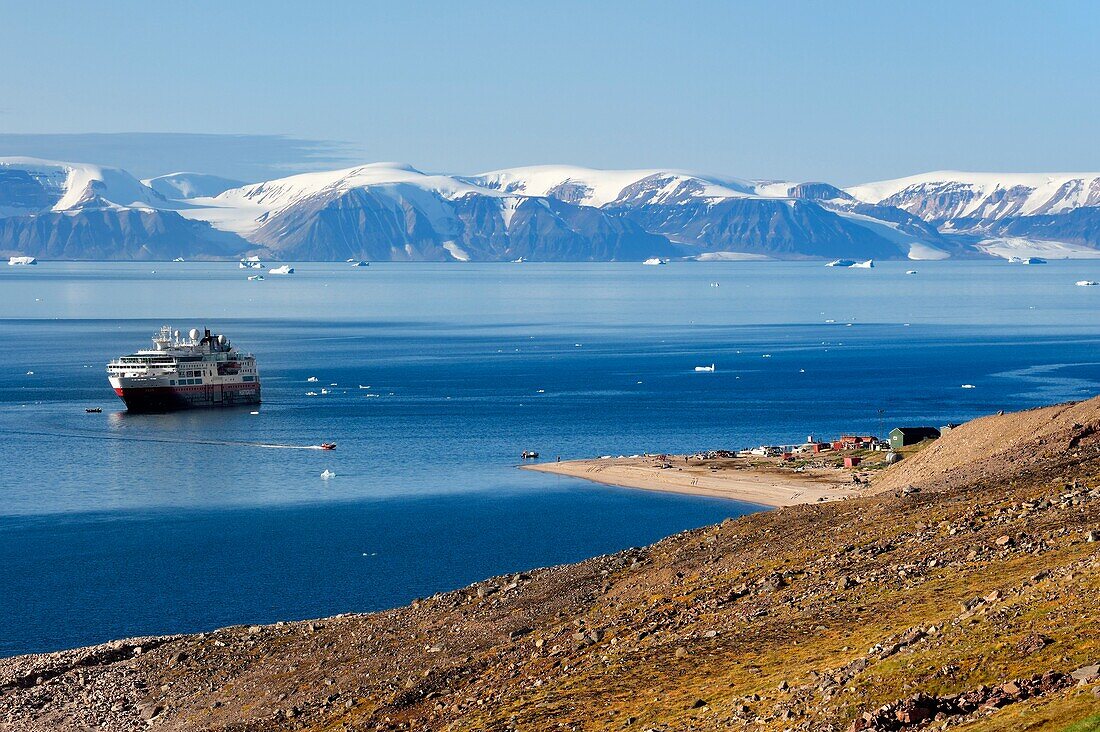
[1085, 674]
[783, 685]
[1004, 540]
[681, 652]
[1032, 643]
[1093, 536]
[148, 711]
[519, 633]
[699, 704]
[254, 629]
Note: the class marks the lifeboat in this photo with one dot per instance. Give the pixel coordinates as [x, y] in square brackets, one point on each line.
[328, 445]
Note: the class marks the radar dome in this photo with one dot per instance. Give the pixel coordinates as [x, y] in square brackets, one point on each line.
[194, 334]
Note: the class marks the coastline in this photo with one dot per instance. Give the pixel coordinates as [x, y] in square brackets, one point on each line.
[715, 479]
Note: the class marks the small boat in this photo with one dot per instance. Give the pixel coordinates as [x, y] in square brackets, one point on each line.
[328, 445]
[910, 271]
[93, 410]
[529, 455]
[1086, 283]
[705, 368]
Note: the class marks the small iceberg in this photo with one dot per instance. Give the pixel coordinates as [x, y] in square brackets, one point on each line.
[253, 412]
[251, 263]
[285, 269]
[521, 260]
[705, 368]
[1035, 260]
[324, 391]
[360, 263]
[869, 264]
[655, 261]
[178, 259]
[326, 474]
[364, 387]
[1086, 283]
[841, 263]
[255, 278]
[311, 393]
[910, 271]
[1015, 260]
[967, 386]
[715, 284]
[17, 261]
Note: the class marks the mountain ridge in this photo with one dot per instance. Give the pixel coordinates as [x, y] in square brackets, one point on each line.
[387, 211]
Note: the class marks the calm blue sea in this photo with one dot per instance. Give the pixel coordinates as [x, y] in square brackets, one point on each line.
[114, 525]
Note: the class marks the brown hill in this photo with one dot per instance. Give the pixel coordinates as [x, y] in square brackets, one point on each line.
[963, 595]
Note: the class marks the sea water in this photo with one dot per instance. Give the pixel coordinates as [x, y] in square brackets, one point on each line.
[439, 376]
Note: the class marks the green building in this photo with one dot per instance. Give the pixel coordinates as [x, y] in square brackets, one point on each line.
[902, 436]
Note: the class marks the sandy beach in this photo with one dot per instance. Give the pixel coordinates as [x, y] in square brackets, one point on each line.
[730, 478]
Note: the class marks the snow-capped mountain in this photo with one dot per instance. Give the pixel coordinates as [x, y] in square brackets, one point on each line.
[1040, 213]
[709, 214]
[946, 196]
[386, 211]
[394, 211]
[31, 185]
[61, 210]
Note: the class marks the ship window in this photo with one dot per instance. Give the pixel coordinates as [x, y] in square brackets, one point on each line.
[171, 382]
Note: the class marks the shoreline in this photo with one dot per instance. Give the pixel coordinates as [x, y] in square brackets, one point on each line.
[713, 479]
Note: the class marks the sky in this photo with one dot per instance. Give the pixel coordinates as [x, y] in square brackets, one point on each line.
[844, 92]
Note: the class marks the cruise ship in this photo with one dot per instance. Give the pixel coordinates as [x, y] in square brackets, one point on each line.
[182, 373]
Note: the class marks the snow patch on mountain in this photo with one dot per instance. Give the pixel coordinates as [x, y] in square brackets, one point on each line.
[183, 185]
[592, 187]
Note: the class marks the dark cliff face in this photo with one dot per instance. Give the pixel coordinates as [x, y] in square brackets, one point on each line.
[121, 234]
[1080, 226]
[365, 224]
[774, 227]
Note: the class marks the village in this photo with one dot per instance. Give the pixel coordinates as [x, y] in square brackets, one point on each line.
[850, 451]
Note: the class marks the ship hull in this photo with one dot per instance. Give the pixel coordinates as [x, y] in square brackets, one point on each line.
[170, 399]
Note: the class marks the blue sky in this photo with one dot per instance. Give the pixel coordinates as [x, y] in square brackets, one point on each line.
[838, 91]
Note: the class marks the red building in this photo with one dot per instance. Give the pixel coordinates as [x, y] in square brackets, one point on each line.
[851, 461]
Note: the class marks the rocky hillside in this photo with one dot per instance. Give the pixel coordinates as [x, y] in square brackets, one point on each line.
[959, 592]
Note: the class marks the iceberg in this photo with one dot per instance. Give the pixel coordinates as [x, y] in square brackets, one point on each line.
[1086, 283]
[655, 260]
[841, 263]
[13, 261]
[285, 269]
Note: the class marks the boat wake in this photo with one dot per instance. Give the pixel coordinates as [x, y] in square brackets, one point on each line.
[166, 440]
